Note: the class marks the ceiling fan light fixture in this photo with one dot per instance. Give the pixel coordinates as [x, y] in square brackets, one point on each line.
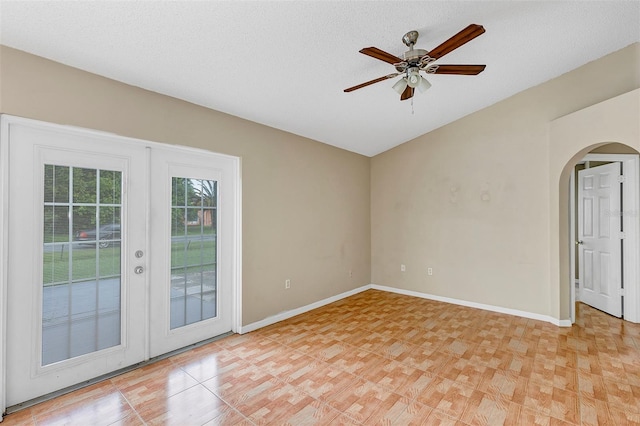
[400, 85]
[413, 77]
[424, 85]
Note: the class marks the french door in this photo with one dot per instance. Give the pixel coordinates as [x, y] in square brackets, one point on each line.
[196, 236]
[118, 250]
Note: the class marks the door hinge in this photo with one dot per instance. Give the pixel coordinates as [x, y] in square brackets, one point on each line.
[622, 179]
[621, 292]
[622, 235]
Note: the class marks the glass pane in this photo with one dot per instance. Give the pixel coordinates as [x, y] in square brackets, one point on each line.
[56, 224]
[178, 222]
[208, 193]
[48, 183]
[84, 265]
[84, 185]
[110, 187]
[81, 307]
[110, 262]
[193, 222]
[178, 191]
[193, 193]
[84, 223]
[209, 225]
[56, 183]
[193, 251]
[55, 268]
[109, 229]
[61, 187]
[55, 238]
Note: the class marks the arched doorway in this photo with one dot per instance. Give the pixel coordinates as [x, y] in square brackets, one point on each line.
[571, 137]
[618, 292]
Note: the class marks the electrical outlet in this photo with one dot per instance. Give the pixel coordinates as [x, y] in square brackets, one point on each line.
[287, 283]
[429, 271]
[403, 268]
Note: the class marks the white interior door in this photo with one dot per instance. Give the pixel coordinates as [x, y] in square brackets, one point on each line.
[599, 237]
[73, 297]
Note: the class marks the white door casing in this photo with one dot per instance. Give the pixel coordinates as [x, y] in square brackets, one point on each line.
[599, 237]
[32, 143]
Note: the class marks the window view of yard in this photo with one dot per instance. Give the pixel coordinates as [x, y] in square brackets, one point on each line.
[81, 309]
[188, 254]
[82, 252]
[193, 251]
[86, 244]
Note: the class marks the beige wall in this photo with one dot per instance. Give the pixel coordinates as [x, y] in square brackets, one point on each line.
[477, 200]
[613, 148]
[305, 204]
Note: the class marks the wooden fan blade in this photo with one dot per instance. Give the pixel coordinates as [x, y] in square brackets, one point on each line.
[360, 86]
[460, 69]
[407, 94]
[464, 36]
[374, 52]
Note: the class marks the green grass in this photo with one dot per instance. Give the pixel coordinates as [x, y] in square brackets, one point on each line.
[191, 230]
[56, 238]
[85, 261]
[196, 253]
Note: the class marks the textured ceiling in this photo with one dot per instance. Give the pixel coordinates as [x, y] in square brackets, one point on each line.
[285, 64]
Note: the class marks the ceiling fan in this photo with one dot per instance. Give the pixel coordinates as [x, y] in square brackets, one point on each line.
[415, 60]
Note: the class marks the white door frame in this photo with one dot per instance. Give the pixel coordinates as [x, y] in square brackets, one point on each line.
[4, 226]
[631, 241]
[6, 122]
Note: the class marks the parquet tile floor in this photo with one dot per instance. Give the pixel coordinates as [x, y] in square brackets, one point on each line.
[380, 358]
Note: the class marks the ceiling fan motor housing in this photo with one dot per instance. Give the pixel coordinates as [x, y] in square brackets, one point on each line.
[413, 56]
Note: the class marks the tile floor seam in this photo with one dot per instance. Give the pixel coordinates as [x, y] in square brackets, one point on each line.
[230, 406]
[130, 405]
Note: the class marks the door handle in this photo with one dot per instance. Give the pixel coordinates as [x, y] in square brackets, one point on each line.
[579, 242]
[138, 270]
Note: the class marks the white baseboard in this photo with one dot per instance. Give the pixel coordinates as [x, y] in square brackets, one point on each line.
[301, 310]
[561, 323]
[492, 308]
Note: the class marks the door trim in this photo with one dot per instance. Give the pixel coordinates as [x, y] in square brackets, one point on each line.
[631, 242]
[4, 226]
[5, 122]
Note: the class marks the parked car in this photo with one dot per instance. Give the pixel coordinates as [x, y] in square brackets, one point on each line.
[106, 235]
